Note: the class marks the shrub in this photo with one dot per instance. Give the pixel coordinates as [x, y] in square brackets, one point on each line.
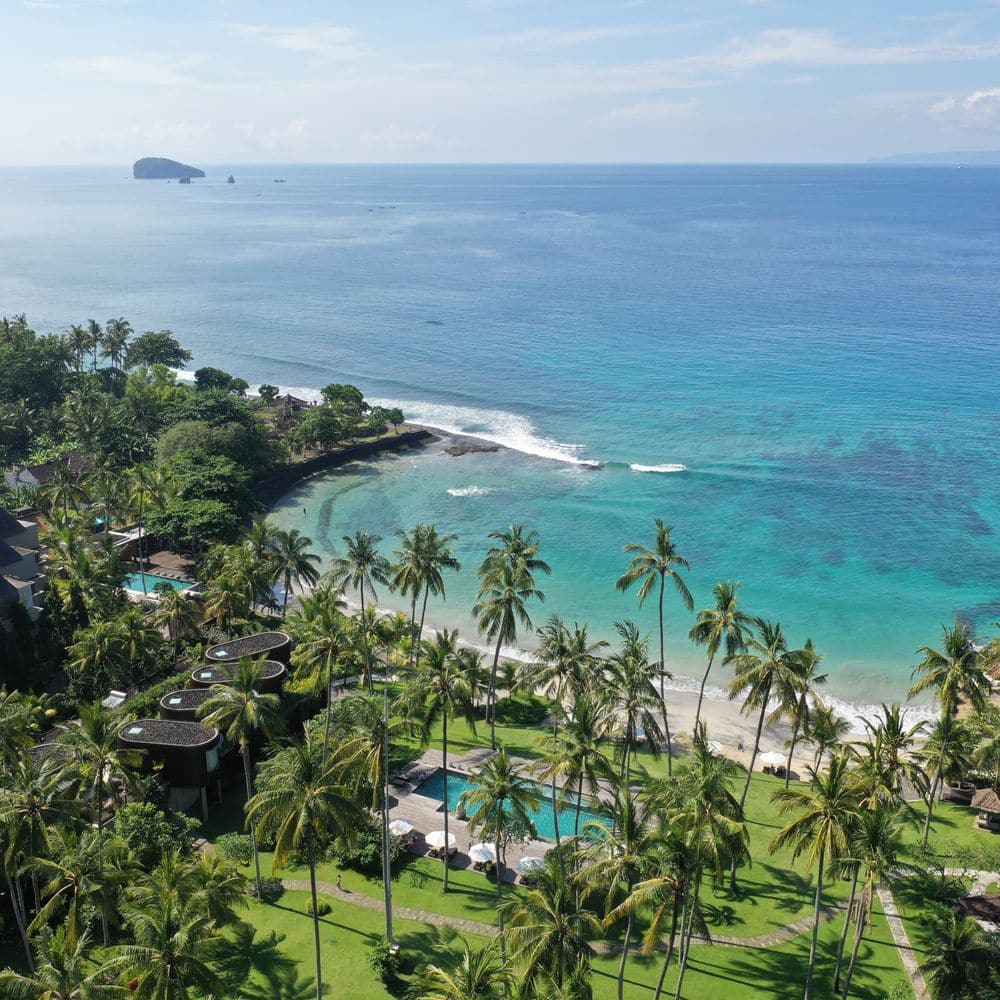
[149, 832]
[322, 907]
[235, 848]
[364, 852]
[271, 889]
[146, 704]
[383, 962]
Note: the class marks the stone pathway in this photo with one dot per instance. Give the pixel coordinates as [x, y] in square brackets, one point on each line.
[770, 940]
[906, 955]
[404, 912]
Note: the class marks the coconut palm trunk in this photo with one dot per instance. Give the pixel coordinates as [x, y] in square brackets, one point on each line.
[386, 863]
[847, 923]
[932, 794]
[663, 685]
[364, 639]
[816, 914]
[756, 744]
[626, 944]
[796, 726]
[17, 905]
[491, 695]
[315, 909]
[686, 933]
[701, 691]
[858, 934]
[444, 761]
[253, 835]
[671, 941]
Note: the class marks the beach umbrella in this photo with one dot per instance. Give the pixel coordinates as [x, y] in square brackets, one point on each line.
[400, 827]
[435, 839]
[772, 759]
[483, 853]
[714, 747]
[528, 865]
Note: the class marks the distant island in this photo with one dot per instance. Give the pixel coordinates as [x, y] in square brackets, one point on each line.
[987, 158]
[157, 168]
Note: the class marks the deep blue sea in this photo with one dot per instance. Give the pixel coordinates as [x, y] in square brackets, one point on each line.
[796, 366]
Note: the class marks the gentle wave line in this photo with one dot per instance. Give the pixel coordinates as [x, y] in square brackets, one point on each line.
[469, 491]
[669, 467]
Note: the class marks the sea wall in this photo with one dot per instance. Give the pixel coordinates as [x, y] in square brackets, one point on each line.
[268, 490]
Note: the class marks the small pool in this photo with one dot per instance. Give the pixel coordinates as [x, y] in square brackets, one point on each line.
[542, 817]
[134, 581]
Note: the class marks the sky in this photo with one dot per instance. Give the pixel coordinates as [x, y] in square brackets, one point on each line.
[423, 81]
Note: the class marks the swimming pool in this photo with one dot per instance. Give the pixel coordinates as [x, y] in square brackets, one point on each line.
[542, 817]
[133, 582]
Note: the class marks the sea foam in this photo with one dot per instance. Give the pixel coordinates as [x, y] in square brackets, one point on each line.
[669, 467]
[469, 491]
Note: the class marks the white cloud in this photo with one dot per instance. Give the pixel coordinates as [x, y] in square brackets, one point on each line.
[978, 110]
[150, 71]
[330, 41]
[393, 138]
[649, 113]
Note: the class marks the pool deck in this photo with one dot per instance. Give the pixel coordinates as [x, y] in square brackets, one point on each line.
[405, 802]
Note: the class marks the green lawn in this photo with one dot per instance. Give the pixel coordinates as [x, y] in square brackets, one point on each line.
[347, 934]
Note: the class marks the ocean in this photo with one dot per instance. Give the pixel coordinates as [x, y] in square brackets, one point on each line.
[795, 366]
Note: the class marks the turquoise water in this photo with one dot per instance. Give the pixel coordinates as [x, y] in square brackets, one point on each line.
[543, 817]
[133, 582]
[818, 347]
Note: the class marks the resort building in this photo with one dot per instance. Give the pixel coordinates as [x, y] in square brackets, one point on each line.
[39, 475]
[20, 579]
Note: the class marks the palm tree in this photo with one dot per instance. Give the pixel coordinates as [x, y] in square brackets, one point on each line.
[81, 876]
[767, 665]
[504, 588]
[825, 731]
[948, 752]
[652, 566]
[440, 690]
[172, 951]
[225, 601]
[953, 673]
[304, 801]
[807, 679]
[615, 864]
[888, 761]
[293, 562]
[104, 487]
[63, 490]
[321, 636]
[65, 971]
[78, 341]
[498, 802]
[631, 680]
[95, 335]
[422, 558]
[179, 616]
[115, 341]
[704, 810]
[565, 663]
[827, 811]
[720, 625]
[959, 957]
[575, 752]
[876, 844]
[546, 932]
[241, 712]
[31, 804]
[481, 975]
[363, 566]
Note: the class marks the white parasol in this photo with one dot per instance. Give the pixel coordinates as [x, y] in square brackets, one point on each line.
[435, 839]
[772, 759]
[528, 865]
[400, 827]
[714, 747]
[483, 853]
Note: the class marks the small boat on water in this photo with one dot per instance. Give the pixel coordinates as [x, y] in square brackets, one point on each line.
[184, 180]
[230, 179]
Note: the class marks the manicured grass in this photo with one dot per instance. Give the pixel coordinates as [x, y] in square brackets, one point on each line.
[347, 933]
[724, 973]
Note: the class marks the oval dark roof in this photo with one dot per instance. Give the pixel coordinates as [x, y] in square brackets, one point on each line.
[186, 698]
[168, 733]
[248, 645]
[222, 673]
